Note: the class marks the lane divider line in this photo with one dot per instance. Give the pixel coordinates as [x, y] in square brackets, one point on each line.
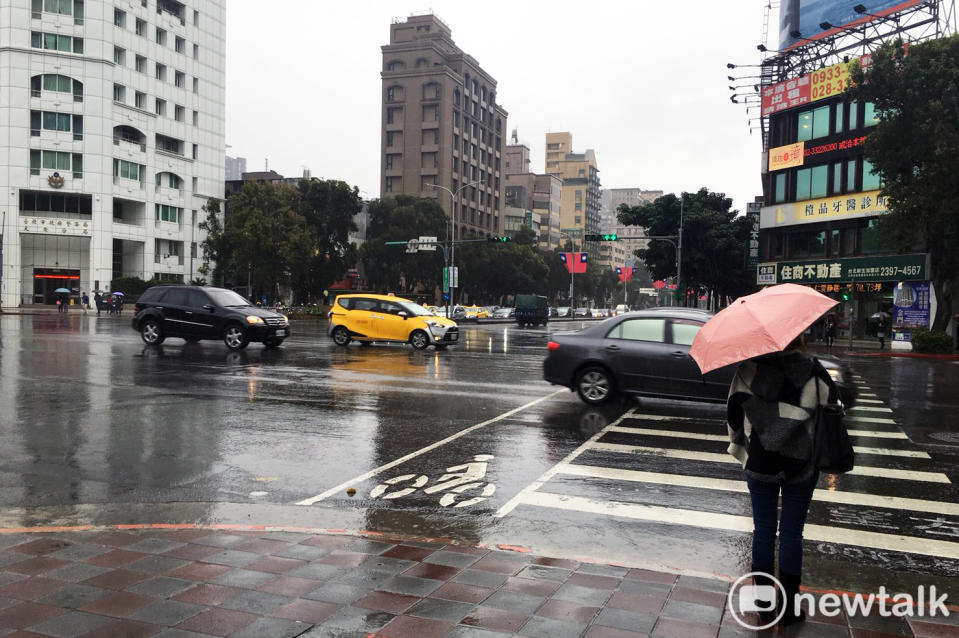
[838, 497]
[548, 474]
[412, 455]
[713, 457]
[744, 524]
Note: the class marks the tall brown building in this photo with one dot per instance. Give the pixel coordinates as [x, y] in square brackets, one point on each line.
[441, 125]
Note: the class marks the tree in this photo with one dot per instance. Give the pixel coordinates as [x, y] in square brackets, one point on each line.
[913, 149]
[491, 271]
[400, 218]
[216, 247]
[714, 242]
[325, 253]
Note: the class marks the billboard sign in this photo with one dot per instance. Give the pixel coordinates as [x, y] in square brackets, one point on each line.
[766, 274]
[911, 304]
[812, 87]
[786, 156]
[806, 16]
[858, 269]
[847, 206]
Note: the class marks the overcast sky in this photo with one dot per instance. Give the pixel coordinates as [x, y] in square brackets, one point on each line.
[641, 82]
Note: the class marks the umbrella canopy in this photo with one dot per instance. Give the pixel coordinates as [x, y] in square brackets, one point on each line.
[884, 315]
[66, 290]
[117, 293]
[757, 324]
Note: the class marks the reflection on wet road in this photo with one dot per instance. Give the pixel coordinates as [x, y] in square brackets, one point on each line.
[468, 444]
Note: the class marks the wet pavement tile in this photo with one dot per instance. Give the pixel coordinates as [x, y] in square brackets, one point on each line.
[475, 632]
[286, 537]
[289, 586]
[344, 559]
[411, 586]
[461, 592]
[515, 602]
[608, 632]
[439, 609]
[72, 623]
[361, 578]
[263, 546]
[451, 559]
[154, 546]
[244, 578]
[231, 557]
[26, 615]
[645, 588]
[40, 546]
[493, 563]
[603, 570]
[208, 594]
[132, 629]
[221, 540]
[387, 564]
[153, 564]
[583, 595]
[303, 552]
[479, 578]
[273, 628]
[407, 552]
[73, 596]
[540, 572]
[114, 539]
[496, 619]
[387, 601]
[6, 577]
[117, 579]
[676, 628]
[434, 572]
[218, 622]
[533, 587]
[594, 580]
[117, 604]
[555, 562]
[540, 627]
[567, 611]
[366, 546]
[650, 576]
[636, 602]
[114, 558]
[410, 627]
[161, 587]
[337, 593]
[356, 619]
[36, 565]
[694, 612]
[316, 571]
[709, 584]
[79, 551]
[332, 542]
[628, 620]
[699, 596]
[192, 552]
[31, 588]
[312, 611]
[166, 613]
[257, 602]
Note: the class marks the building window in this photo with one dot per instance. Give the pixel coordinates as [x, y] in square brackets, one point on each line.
[169, 180]
[869, 237]
[431, 91]
[869, 117]
[55, 161]
[838, 118]
[196, 18]
[179, 44]
[196, 85]
[196, 151]
[119, 18]
[139, 100]
[853, 115]
[141, 27]
[196, 118]
[119, 92]
[870, 180]
[160, 107]
[178, 112]
[119, 56]
[196, 51]
[160, 72]
[140, 64]
[166, 213]
[54, 82]
[179, 78]
[393, 114]
[389, 138]
[127, 170]
[818, 185]
[161, 36]
[389, 185]
[851, 176]
[578, 220]
[837, 178]
[55, 42]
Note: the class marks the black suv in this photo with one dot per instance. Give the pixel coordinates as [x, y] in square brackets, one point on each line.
[200, 312]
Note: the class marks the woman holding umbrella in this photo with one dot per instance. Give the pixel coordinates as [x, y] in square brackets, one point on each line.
[62, 294]
[771, 420]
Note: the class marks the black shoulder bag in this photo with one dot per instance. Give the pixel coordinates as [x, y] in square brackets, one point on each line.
[833, 449]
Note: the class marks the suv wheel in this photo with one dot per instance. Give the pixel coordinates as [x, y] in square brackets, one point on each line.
[594, 385]
[341, 336]
[419, 339]
[151, 332]
[234, 337]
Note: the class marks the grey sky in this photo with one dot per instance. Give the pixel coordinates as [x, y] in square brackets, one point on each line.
[641, 82]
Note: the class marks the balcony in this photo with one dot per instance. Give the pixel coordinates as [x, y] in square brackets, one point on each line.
[129, 143]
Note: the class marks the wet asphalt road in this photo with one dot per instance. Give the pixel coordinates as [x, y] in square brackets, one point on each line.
[468, 444]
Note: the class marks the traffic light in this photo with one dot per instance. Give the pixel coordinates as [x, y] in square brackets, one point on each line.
[503, 238]
[845, 295]
[608, 237]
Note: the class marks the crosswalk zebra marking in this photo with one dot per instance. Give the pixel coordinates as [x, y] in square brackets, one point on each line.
[720, 438]
[728, 485]
[869, 419]
[870, 408]
[692, 455]
[731, 522]
[869, 401]
[878, 435]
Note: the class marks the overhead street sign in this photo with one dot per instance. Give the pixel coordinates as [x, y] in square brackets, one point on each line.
[412, 245]
[427, 243]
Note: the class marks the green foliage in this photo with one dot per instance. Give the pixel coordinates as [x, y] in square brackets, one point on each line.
[133, 287]
[913, 148]
[490, 271]
[714, 241]
[931, 341]
[216, 248]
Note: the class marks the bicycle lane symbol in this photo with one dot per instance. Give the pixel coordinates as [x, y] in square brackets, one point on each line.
[459, 481]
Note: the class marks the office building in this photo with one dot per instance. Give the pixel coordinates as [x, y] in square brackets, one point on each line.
[441, 124]
[579, 173]
[537, 194]
[113, 129]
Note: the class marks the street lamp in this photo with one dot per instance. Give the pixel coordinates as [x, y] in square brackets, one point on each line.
[449, 237]
[572, 274]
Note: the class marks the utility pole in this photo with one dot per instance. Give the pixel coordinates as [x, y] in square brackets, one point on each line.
[679, 252]
[451, 238]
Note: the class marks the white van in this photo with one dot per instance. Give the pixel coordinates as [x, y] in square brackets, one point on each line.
[621, 309]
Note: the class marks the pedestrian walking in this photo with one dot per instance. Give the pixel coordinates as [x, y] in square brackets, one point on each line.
[830, 331]
[771, 418]
[98, 301]
[59, 305]
[85, 300]
[881, 331]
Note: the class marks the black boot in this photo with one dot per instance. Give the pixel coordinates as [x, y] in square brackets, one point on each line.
[793, 614]
[764, 577]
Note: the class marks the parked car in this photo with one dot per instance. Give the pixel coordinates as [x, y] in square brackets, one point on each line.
[621, 309]
[503, 313]
[532, 310]
[200, 312]
[582, 312]
[564, 311]
[370, 318]
[646, 353]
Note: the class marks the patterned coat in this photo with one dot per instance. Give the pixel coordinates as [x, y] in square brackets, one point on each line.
[771, 415]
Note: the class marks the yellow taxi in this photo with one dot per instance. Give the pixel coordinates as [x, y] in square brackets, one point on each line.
[368, 318]
[476, 312]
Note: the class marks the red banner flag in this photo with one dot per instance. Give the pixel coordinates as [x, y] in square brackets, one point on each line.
[625, 273]
[574, 262]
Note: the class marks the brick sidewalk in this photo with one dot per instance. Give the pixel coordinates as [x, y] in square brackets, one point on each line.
[193, 582]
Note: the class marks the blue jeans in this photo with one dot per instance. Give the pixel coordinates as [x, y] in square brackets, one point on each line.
[765, 502]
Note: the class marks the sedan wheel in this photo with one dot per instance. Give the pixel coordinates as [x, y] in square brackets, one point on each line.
[151, 333]
[234, 337]
[594, 385]
[419, 339]
[341, 336]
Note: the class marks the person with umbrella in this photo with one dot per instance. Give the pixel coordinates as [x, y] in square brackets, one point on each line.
[98, 301]
[771, 419]
[62, 299]
[881, 330]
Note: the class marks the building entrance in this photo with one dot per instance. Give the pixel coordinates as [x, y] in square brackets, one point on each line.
[47, 280]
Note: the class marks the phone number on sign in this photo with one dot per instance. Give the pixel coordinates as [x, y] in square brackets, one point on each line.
[888, 271]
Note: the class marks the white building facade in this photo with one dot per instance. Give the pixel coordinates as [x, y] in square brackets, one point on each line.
[112, 139]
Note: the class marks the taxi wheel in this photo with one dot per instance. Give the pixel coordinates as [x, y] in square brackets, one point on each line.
[419, 339]
[341, 336]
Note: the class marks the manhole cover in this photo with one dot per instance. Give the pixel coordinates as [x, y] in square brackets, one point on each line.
[946, 437]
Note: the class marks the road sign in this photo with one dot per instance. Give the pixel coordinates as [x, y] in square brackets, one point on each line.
[454, 276]
[427, 243]
[574, 232]
[446, 281]
[412, 246]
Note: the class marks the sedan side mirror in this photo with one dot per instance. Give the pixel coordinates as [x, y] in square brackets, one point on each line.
[402, 313]
[208, 308]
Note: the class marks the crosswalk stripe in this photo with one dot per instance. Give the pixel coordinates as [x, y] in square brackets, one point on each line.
[725, 439]
[878, 435]
[729, 485]
[869, 419]
[869, 408]
[869, 401]
[712, 520]
[867, 394]
[691, 455]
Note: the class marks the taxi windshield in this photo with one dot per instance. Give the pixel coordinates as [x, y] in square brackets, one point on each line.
[414, 309]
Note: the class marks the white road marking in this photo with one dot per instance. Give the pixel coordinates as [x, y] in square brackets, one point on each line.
[869, 401]
[710, 520]
[869, 408]
[729, 485]
[548, 474]
[868, 394]
[878, 435]
[412, 455]
[869, 419]
[721, 438]
[713, 457]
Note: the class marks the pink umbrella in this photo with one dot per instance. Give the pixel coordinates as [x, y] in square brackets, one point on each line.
[757, 324]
